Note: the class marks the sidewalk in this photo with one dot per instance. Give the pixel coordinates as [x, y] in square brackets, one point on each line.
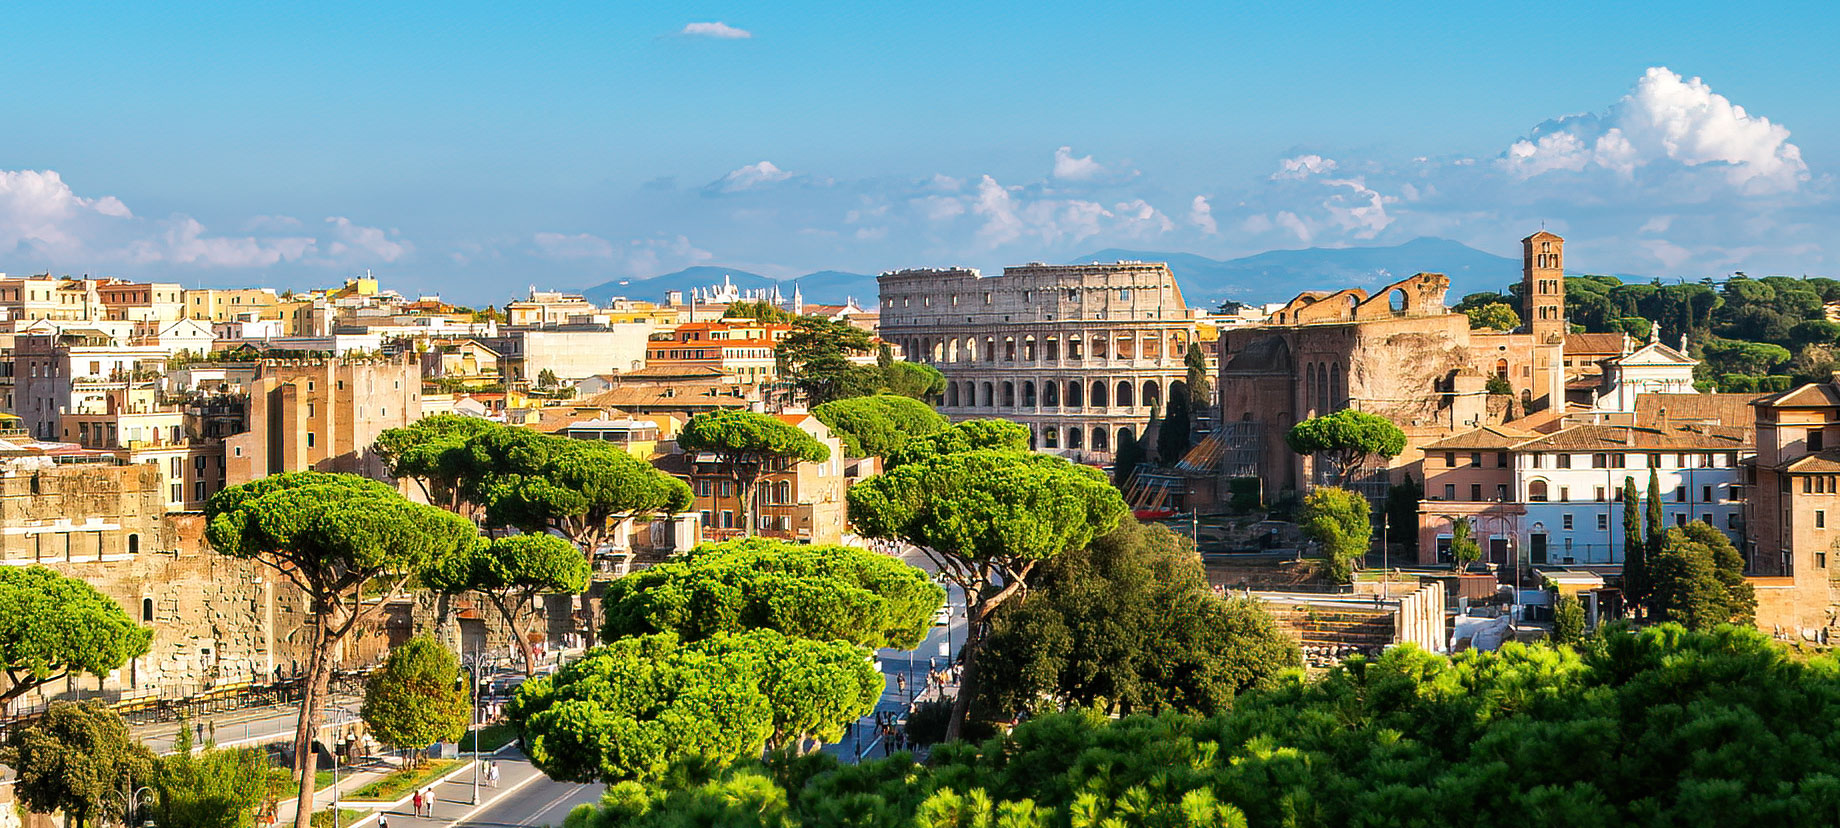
[451, 791]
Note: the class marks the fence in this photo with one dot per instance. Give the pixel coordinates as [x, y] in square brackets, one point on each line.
[148, 710]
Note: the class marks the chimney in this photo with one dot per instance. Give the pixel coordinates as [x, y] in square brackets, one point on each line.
[1664, 419]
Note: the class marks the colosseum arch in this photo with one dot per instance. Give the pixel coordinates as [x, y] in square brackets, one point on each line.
[1124, 397]
[1051, 393]
[1009, 394]
[1098, 393]
[1028, 349]
[1076, 391]
[1076, 437]
[1098, 438]
[1152, 393]
[1028, 393]
[989, 395]
[1098, 346]
[951, 395]
[1051, 437]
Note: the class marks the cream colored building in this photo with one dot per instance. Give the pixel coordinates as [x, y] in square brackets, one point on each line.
[322, 415]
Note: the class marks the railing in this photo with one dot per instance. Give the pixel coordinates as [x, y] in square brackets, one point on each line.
[146, 710]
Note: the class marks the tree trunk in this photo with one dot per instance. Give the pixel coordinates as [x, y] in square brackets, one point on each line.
[513, 622]
[313, 695]
[967, 680]
[744, 487]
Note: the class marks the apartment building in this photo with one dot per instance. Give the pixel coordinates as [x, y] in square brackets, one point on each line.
[322, 415]
[794, 500]
[73, 372]
[1794, 512]
[141, 301]
[569, 354]
[741, 349]
[213, 305]
[1556, 499]
[543, 308]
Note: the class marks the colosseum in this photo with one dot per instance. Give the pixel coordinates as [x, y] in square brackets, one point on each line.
[1082, 354]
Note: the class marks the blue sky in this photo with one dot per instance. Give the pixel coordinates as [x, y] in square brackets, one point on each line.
[467, 148]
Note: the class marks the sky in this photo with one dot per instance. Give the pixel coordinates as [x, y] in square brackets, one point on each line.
[473, 150]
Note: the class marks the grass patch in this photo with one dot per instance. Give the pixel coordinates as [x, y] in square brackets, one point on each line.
[347, 816]
[290, 787]
[402, 782]
[491, 738]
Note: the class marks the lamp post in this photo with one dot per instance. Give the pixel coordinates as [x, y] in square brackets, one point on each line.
[477, 661]
[131, 803]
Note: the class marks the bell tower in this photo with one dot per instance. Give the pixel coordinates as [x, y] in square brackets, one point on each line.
[1543, 286]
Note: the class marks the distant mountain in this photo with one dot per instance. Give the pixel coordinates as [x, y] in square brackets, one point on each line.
[1277, 275]
[824, 286]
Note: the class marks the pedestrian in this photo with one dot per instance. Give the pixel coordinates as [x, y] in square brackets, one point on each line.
[428, 800]
[492, 773]
[383, 820]
[417, 802]
[900, 683]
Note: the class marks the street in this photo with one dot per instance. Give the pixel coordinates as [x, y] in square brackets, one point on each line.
[524, 797]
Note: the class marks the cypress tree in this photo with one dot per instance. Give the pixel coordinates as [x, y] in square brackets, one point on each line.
[1635, 552]
[1657, 534]
[1125, 459]
[1172, 440]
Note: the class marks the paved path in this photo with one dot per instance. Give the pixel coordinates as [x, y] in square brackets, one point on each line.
[524, 797]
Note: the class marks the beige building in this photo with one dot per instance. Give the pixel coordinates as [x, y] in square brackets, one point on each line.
[141, 301]
[1081, 354]
[322, 415]
[796, 501]
[570, 354]
[212, 305]
[544, 308]
[1793, 512]
[74, 372]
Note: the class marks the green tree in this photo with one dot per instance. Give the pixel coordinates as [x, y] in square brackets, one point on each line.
[970, 435]
[1129, 624]
[1652, 519]
[78, 759]
[511, 572]
[638, 707]
[913, 379]
[1568, 619]
[52, 627]
[1345, 440]
[1698, 579]
[745, 443]
[759, 310]
[331, 536]
[211, 788]
[815, 358]
[1499, 386]
[986, 519]
[1463, 547]
[419, 697]
[1200, 385]
[429, 451]
[1635, 550]
[1172, 440]
[880, 425]
[548, 379]
[1127, 455]
[819, 592]
[1741, 357]
[1496, 316]
[1338, 520]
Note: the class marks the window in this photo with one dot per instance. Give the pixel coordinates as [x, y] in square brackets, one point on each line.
[147, 609]
[1603, 523]
[728, 519]
[1706, 519]
[1450, 492]
[1680, 494]
[1450, 459]
[1680, 519]
[310, 410]
[1617, 460]
[1600, 461]
[1820, 518]
[1539, 460]
[1820, 558]
[1501, 459]
[1475, 491]
[1501, 492]
[1565, 461]
[728, 488]
[1705, 493]
[1536, 491]
[1731, 521]
[1565, 520]
[1654, 461]
[1565, 494]
[309, 439]
[1600, 494]
[198, 489]
[1475, 459]
[1815, 440]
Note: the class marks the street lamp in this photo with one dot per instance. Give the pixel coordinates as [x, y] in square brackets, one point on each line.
[131, 804]
[474, 664]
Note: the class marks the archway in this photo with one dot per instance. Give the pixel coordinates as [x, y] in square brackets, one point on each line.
[1124, 397]
[1009, 394]
[1098, 441]
[1076, 392]
[1098, 393]
[1151, 393]
[1051, 393]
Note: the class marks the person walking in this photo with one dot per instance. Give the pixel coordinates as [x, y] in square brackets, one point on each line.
[417, 802]
[492, 773]
[428, 800]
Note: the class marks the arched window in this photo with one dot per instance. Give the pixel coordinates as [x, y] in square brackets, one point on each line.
[1536, 491]
[1127, 346]
[1338, 399]
[1353, 302]
[1309, 387]
[1501, 368]
[1397, 302]
[1098, 395]
[1009, 349]
[1028, 349]
[1098, 441]
[1028, 394]
[952, 350]
[134, 543]
[1322, 389]
[1051, 436]
[782, 492]
[1009, 394]
[1076, 437]
[1151, 390]
[951, 395]
[939, 351]
[1178, 388]
[990, 349]
[1051, 348]
[1076, 393]
[147, 609]
[1051, 393]
[1076, 348]
[1098, 348]
[989, 396]
[1124, 397]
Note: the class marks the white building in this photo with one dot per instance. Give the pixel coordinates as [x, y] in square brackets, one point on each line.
[1654, 368]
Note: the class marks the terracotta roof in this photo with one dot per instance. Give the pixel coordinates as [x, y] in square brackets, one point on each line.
[673, 397]
[1486, 437]
[1594, 343]
[1638, 438]
[656, 372]
[1812, 395]
[1718, 409]
[1826, 462]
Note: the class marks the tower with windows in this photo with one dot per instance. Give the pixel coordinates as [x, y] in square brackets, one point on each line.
[1543, 286]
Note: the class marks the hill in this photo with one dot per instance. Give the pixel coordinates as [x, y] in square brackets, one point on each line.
[1276, 275]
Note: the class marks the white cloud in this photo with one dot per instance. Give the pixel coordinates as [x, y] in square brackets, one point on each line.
[1201, 214]
[1045, 222]
[38, 210]
[1140, 220]
[939, 208]
[577, 246]
[1069, 168]
[717, 30]
[1361, 211]
[749, 177]
[358, 244]
[1303, 166]
[1666, 118]
[184, 242]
